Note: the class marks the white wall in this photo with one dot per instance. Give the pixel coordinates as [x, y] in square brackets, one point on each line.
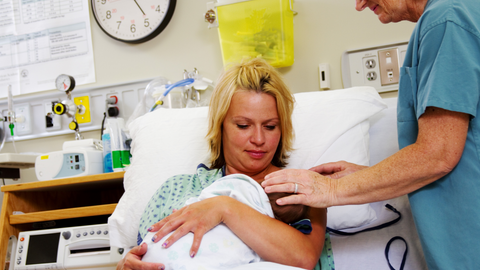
[324, 29]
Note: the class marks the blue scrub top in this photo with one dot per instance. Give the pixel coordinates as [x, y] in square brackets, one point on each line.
[442, 69]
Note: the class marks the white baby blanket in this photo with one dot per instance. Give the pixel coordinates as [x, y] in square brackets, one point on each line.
[220, 247]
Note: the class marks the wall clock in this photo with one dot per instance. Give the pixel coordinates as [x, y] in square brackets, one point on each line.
[133, 21]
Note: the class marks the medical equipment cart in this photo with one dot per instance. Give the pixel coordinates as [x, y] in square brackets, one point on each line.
[70, 199]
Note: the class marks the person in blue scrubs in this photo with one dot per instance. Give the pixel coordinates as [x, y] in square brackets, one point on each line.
[439, 136]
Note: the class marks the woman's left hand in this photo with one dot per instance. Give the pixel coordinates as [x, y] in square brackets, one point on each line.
[313, 189]
[198, 218]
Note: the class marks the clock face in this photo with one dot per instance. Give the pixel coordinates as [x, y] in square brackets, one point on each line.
[133, 21]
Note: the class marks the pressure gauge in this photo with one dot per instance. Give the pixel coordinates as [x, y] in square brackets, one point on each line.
[65, 83]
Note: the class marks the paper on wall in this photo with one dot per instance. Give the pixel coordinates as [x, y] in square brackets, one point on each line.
[41, 39]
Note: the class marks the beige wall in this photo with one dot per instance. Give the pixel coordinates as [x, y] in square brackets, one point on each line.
[324, 29]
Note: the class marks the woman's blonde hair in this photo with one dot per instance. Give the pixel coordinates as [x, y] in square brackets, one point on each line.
[253, 75]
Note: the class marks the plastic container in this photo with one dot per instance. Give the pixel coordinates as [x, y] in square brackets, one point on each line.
[256, 28]
[120, 150]
[107, 151]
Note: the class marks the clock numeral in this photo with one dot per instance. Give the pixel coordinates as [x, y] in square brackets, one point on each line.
[146, 24]
[109, 14]
[103, 2]
[119, 23]
[158, 9]
[132, 28]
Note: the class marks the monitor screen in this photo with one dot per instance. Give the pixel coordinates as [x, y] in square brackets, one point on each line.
[43, 248]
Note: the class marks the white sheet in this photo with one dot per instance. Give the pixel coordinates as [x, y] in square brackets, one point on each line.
[266, 266]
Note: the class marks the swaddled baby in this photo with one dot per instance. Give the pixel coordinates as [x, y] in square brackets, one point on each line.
[220, 247]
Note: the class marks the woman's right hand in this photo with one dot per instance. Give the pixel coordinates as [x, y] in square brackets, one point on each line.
[133, 260]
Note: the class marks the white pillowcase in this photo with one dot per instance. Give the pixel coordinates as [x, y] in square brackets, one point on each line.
[329, 126]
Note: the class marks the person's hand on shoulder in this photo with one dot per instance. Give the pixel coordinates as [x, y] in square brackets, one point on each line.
[309, 188]
[133, 260]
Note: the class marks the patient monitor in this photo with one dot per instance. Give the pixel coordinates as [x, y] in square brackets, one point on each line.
[78, 158]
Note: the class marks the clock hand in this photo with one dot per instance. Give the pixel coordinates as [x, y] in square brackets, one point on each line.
[139, 7]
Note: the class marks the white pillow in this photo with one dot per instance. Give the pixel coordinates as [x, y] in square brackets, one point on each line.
[329, 126]
[340, 120]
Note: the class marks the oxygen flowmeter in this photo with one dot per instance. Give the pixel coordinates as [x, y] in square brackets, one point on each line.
[66, 83]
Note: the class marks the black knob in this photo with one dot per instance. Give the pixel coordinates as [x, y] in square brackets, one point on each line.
[67, 235]
[113, 111]
[59, 108]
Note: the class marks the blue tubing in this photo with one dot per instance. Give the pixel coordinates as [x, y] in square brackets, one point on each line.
[184, 82]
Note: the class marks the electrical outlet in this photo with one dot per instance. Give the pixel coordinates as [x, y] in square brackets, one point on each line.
[377, 66]
[83, 112]
[23, 119]
[52, 121]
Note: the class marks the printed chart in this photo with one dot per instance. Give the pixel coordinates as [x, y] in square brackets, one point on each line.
[41, 39]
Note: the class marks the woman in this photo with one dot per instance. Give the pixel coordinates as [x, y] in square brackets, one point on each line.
[250, 132]
[438, 128]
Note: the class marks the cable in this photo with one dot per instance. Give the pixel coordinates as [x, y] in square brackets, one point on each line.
[108, 101]
[387, 249]
[103, 124]
[381, 226]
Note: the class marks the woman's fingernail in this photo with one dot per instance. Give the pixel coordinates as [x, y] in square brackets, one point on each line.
[165, 244]
[161, 267]
[153, 238]
[149, 229]
[192, 254]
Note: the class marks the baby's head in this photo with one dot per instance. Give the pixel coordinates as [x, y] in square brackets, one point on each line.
[287, 213]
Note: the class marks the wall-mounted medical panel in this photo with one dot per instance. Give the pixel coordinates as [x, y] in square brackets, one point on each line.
[43, 123]
[377, 66]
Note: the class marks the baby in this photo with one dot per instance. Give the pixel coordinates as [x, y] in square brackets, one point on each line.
[221, 248]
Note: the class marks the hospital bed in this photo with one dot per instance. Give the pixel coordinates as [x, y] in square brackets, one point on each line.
[353, 124]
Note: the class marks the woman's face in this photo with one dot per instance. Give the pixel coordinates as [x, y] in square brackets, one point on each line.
[393, 10]
[251, 133]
